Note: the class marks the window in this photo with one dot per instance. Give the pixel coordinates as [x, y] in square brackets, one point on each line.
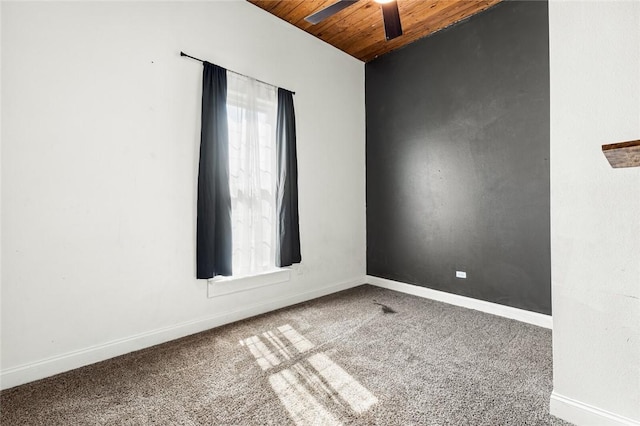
[247, 220]
[251, 115]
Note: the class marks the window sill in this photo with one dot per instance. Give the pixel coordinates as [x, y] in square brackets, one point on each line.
[222, 286]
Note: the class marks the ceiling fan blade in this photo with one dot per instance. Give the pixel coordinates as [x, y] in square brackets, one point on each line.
[391, 18]
[328, 11]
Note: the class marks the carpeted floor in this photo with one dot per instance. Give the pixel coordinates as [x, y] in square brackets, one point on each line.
[364, 356]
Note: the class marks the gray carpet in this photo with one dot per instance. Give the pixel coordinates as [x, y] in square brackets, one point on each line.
[365, 356]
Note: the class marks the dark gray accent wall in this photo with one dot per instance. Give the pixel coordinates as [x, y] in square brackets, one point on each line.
[458, 159]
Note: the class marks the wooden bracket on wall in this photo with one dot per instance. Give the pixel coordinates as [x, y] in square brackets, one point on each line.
[623, 154]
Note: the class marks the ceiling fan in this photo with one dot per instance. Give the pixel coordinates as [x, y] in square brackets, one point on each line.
[390, 15]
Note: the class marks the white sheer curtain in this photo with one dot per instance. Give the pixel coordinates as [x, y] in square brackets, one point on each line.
[251, 112]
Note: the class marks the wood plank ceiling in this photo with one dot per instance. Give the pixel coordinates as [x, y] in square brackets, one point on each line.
[358, 29]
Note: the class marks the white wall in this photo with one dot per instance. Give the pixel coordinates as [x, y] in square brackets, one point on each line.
[595, 211]
[100, 144]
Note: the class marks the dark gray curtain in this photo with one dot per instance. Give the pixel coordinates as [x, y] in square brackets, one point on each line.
[287, 227]
[214, 201]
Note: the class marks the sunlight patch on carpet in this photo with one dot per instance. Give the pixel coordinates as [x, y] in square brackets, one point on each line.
[265, 358]
[308, 385]
[301, 343]
[277, 343]
[349, 389]
[303, 408]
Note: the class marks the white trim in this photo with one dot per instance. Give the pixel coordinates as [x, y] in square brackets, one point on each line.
[535, 318]
[15, 376]
[580, 413]
[222, 286]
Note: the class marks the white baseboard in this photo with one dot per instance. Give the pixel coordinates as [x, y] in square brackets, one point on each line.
[26, 373]
[581, 414]
[535, 318]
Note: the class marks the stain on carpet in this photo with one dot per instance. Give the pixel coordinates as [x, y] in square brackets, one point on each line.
[385, 309]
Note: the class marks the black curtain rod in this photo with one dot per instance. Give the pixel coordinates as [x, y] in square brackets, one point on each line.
[264, 82]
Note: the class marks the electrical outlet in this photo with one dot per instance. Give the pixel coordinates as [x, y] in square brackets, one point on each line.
[461, 274]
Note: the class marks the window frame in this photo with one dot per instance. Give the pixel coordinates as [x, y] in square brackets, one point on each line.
[223, 286]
